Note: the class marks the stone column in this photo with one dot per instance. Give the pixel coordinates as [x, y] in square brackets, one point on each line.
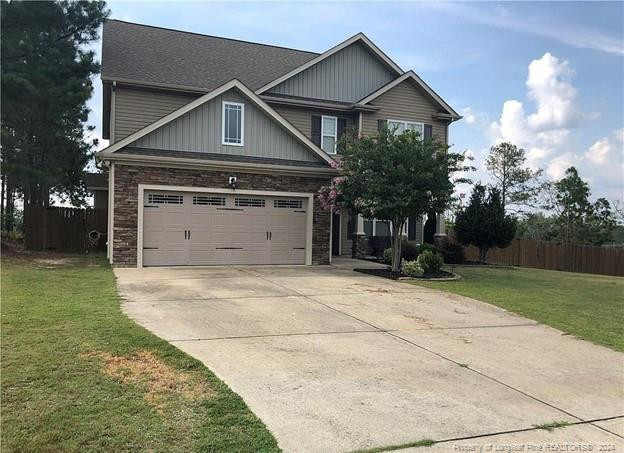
[439, 238]
[360, 240]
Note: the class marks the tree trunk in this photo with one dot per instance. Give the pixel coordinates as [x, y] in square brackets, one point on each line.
[482, 255]
[2, 204]
[396, 245]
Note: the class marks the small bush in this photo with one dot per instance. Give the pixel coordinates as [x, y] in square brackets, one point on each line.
[412, 269]
[409, 252]
[387, 256]
[453, 253]
[430, 262]
[425, 246]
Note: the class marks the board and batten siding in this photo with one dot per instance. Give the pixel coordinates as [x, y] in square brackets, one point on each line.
[302, 118]
[200, 131]
[136, 108]
[348, 75]
[404, 102]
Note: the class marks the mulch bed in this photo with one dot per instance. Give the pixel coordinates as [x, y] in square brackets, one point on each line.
[388, 273]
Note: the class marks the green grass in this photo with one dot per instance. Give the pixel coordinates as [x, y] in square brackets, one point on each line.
[588, 306]
[78, 375]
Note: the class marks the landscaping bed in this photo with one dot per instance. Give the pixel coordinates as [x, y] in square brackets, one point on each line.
[388, 273]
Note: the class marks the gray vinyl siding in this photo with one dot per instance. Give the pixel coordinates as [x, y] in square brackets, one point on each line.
[404, 102]
[348, 75]
[135, 108]
[302, 118]
[200, 131]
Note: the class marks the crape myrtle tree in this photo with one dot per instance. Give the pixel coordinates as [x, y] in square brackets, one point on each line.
[393, 177]
[47, 69]
[483, 223]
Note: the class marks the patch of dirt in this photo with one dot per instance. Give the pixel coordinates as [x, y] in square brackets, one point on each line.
[145, 369]
[56, 262]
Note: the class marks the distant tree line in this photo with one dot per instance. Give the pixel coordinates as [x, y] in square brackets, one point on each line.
[519, 204]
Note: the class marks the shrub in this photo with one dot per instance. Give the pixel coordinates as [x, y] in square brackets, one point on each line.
[412, 268]
[453, 253]
[425, 246]
[409, 252]
[430, 262]
[387, 256]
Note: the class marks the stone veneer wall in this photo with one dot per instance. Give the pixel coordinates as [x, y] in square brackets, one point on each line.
[128, 178]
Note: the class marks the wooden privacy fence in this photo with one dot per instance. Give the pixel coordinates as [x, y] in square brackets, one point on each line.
[63, 229]
[551, 255]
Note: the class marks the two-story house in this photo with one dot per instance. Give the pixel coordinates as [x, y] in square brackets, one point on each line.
[218, 146]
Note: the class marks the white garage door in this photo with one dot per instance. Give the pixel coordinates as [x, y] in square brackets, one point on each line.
[186, 228]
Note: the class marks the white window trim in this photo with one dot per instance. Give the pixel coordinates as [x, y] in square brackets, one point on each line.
[242, 106]
[323, 134]
[405, 123]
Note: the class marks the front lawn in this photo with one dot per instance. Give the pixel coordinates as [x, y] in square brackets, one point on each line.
[78, 375]
[588, 306]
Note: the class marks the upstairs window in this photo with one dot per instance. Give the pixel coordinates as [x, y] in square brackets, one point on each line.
[233, 123]
[329, 134]
[401, 126]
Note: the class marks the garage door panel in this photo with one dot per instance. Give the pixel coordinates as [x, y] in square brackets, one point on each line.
[224, 229]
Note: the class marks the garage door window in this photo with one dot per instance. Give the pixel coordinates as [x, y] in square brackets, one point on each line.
[288, 204]
[208, 200]
[249, 202]
[160, 198]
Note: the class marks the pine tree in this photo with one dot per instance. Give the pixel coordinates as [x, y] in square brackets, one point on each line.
[46, 82]
[483, 223]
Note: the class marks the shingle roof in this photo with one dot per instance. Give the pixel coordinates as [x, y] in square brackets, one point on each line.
[163, 56]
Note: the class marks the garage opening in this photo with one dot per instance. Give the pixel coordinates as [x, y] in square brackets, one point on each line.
[186, 228]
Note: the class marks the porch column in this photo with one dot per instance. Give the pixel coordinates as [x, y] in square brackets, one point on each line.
[360, 224]
[360, 241]
[439, 237]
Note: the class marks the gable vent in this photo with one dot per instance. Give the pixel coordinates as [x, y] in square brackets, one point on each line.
[288, 204]
[250, 202]
[161, 198]
[208, 200]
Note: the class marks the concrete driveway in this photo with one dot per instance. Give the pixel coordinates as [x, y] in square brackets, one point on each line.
[333, 360]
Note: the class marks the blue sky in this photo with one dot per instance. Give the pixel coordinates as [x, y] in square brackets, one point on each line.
[547, 76]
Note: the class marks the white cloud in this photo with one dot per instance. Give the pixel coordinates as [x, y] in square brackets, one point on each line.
[546, 133]
[547, 129]
[576, 35]
[550, 86]
[469, 116]
[600, 151]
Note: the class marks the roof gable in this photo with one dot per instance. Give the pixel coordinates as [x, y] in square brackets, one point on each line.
[429, 93]
[187, 115]
[359, 38]
[346, 76]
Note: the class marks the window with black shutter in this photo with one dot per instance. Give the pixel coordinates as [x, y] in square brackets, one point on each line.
[315, 134]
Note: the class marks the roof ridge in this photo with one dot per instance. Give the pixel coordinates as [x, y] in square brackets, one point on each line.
[212, 36]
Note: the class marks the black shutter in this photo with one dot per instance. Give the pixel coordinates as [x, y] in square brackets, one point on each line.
[315, 134]
[342, 125]
[381, 124]
[428, 135]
